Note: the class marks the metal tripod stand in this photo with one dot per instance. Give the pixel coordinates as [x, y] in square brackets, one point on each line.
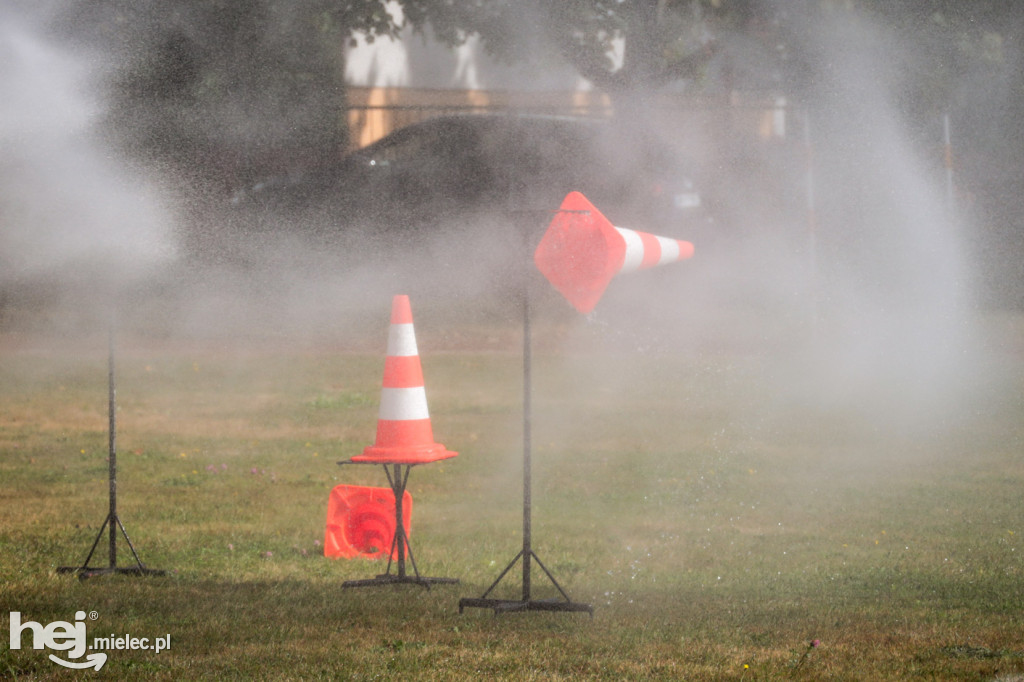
[113, 521]
[400, 547]
[527, 555]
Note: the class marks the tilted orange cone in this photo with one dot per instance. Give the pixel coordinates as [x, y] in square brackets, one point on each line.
[404, 433]
[361, 522]
[581, 252]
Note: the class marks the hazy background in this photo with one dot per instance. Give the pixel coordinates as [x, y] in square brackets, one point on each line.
[125, 128]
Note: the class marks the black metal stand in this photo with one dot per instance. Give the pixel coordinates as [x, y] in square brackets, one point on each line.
[400, 543]
[527, 603]
[113, 522]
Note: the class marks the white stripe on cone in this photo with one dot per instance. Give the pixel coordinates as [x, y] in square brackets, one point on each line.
[402, 340]
[403, 403]
[669, 250]
[634, 250]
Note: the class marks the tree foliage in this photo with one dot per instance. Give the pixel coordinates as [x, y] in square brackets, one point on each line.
[216, 90]
[232, 83]
[620, 46]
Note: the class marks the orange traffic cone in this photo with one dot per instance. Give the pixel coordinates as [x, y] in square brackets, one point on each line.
[404, 434]
[361, 522]
[582, 251]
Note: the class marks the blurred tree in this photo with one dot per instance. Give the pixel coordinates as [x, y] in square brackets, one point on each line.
[656, 42]
[216, 90]
[621, 46]
[246, 83]
[223, 90]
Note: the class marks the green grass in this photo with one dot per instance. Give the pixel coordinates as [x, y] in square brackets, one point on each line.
[716, 522]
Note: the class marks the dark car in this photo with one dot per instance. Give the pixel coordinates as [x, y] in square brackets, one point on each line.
[443, 169]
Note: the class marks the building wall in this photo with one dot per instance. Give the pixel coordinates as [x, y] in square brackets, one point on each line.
[375, 112]
[683, 119]
[395, 82]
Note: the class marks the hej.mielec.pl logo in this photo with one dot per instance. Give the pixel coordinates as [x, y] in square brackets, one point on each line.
[71, 637]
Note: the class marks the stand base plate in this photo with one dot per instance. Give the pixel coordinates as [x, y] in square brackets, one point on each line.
[85, 572]
[388, 579]
[516, 605]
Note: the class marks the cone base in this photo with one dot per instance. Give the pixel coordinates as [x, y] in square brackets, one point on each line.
[361, 522]
[413, 455]
[580, 252]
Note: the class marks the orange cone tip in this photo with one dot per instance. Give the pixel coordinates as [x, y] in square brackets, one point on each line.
[582, 252]
[404, 433]
[361, 522]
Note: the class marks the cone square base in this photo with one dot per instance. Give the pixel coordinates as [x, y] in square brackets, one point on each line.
[361, 522]
[580, 252]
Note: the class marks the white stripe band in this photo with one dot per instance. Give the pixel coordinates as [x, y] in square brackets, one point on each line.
[403, 403]
[669, 250]
[402, 340]
[634, 249]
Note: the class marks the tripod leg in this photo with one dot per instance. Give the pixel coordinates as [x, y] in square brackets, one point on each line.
[135, 554]
[503, 573]
[551, 577]
[95, 543]
[400, 536]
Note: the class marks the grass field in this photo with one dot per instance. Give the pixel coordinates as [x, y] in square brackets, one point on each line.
[717, 522]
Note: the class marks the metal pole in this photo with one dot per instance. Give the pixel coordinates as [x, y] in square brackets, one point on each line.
[527, 501]
[948, 153]
[112, 453]
[812, 224]
[398, 488]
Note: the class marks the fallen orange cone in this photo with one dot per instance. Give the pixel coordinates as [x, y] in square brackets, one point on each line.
[404, 433]
[581, 252]
[361, 522]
